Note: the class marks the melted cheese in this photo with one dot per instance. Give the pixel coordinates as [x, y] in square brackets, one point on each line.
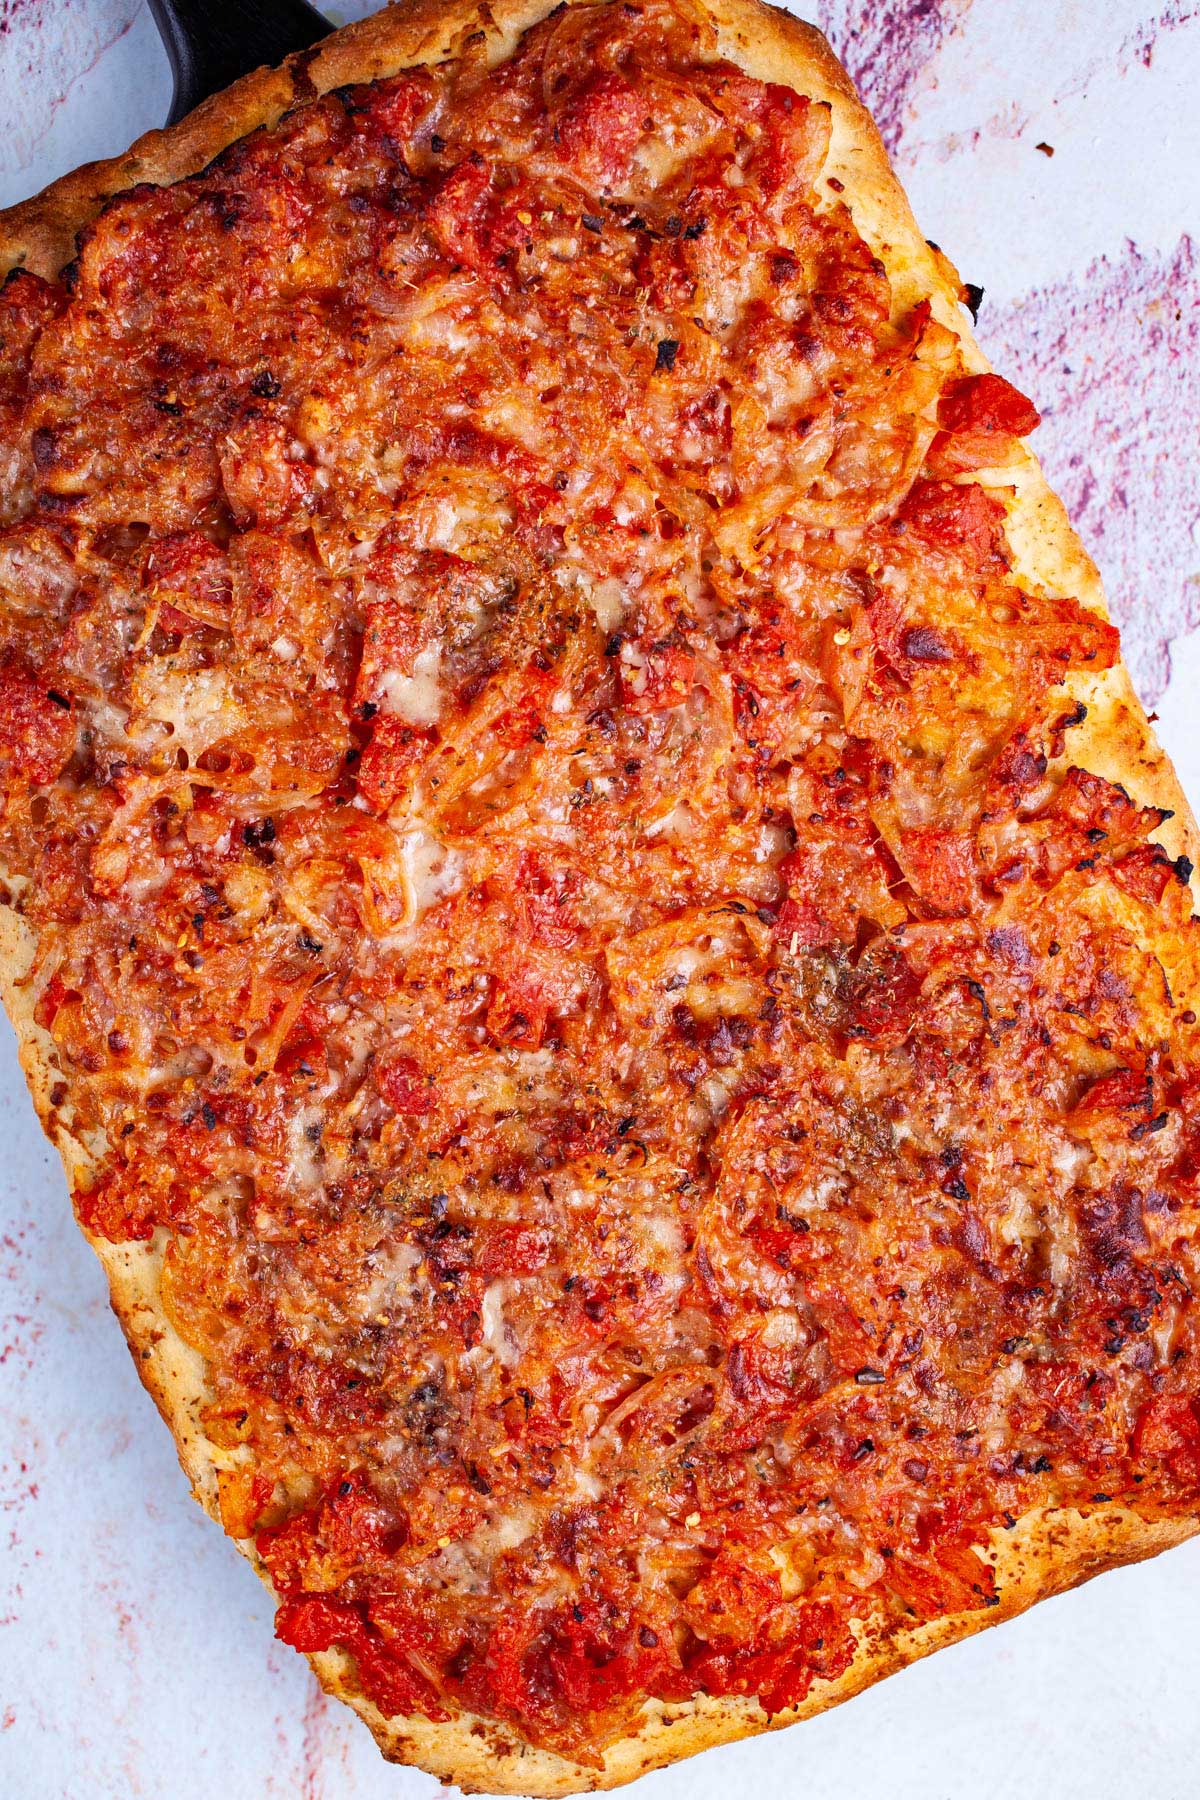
[416, 698]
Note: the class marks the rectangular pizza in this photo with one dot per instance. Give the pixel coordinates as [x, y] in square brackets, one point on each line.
[586, 897]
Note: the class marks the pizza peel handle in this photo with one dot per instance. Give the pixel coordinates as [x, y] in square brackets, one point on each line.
[210, 44]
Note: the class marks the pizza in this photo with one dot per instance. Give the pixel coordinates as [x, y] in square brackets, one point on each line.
[587, 899]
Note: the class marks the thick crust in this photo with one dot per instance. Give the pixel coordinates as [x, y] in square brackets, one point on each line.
[1047, 1551]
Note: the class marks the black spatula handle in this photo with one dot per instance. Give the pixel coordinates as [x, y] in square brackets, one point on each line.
[210, 44]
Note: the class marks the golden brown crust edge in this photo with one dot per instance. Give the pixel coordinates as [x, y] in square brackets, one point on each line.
[39, 234]
[1048, 1551]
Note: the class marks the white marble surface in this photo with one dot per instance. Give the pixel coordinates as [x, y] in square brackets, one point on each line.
[136, 1654]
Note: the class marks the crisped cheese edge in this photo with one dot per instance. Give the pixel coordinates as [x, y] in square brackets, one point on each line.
[1048, 1550]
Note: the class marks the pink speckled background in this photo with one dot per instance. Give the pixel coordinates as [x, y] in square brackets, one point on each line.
[136, 1656]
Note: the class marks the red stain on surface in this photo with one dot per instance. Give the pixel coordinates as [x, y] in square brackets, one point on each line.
[887, 48]
[298, 1766]
[21, 1327]
[46, 46]
[21, 1330]
[18, 1491]
[1112, 358]
[313, 1753]
[11, 10]
[1140, 47]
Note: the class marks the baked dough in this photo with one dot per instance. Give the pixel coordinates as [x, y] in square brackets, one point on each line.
[1048, 1551]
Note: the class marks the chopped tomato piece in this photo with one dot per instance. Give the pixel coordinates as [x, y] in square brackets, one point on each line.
[941, 865]
[987, 403]
[37, 724]
[404, 1086]
[956, 516]
[1168, 1431]
[392, 107]
[599, 129]
[395, 752]
[312, 1623]
[981, 417]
